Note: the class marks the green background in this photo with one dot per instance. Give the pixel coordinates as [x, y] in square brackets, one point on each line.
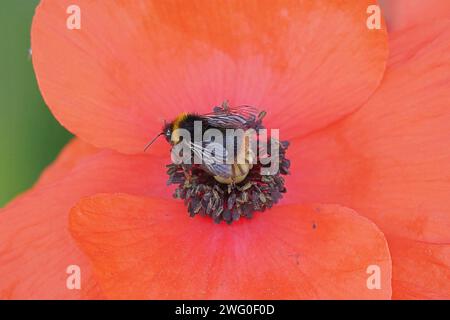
[30, 138]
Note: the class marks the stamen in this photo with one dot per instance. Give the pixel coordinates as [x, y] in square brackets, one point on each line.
[204, 195]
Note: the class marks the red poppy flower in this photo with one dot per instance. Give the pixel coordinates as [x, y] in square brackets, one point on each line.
[377, 154]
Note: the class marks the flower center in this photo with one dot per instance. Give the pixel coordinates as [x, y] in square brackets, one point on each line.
[251, 187]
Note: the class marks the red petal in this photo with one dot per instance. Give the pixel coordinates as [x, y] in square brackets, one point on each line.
[390, 161]
[35, 247]
[72, 154]
[150, 249]
[401, 14]
[421, 270]
[133, 64]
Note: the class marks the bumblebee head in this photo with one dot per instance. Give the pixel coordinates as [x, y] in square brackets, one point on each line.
[167, 132]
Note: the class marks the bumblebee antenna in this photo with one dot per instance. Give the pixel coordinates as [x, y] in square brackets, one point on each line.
[151, 142]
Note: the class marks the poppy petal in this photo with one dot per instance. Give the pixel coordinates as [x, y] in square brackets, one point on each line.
[134, 63]
[401, 14]
[74, 152]
[390, 161]
[145, 248]
[421, 270]
[35, 247]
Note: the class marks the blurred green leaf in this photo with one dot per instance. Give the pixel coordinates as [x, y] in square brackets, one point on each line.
[30, 138]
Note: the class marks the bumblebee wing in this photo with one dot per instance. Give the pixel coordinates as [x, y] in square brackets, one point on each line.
[243, 110]
[221, 170]
[232, 117]
[214, 158]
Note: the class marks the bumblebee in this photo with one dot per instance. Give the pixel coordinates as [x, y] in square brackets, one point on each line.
[217, 163]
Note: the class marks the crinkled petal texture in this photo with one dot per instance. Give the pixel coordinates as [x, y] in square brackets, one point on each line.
[390, 161]
[401, 14]
[145, 248]
[35, 246]
[134, 63]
